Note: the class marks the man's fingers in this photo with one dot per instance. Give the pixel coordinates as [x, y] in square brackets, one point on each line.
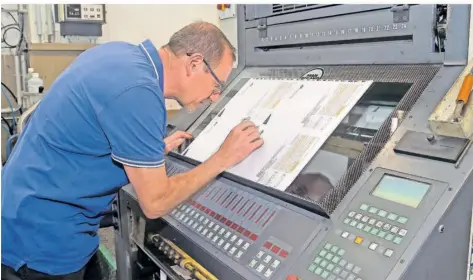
[257, 143]
[251, 130]
[177, 142]
[245, 125]
[254, 135]
[182, 134]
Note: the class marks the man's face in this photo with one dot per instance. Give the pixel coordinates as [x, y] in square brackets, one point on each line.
[202, 81]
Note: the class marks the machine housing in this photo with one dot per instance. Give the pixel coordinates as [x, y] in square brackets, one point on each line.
[363, 228]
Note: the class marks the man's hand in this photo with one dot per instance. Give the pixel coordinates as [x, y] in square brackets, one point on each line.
[175, 140]
[239, 144]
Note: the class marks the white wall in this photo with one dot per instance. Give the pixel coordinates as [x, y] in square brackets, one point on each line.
[133, 23]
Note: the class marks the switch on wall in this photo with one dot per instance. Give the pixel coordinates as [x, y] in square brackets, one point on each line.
[226, 11]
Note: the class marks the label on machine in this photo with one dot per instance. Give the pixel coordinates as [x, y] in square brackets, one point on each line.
[295, 118]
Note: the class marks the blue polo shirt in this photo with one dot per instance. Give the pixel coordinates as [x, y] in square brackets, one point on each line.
[105, 110]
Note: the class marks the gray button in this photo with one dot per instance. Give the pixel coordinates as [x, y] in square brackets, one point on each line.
[238, 255]
[344, 274]
[260, 268]
[351, 277]
[357, 269]
[331, 277]
[394, 229]
[337, 270]
[388, 253]
[342, 263]
[349, 266]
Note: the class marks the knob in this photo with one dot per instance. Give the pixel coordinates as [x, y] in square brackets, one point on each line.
[292, 277]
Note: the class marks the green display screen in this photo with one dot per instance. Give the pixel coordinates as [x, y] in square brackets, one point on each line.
[401, 190]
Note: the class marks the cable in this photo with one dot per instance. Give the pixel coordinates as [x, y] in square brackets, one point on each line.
[12, 111]
[9, 145]
[4, 35]
[9, 126]
[10, 91]
[6, 129]
[12, 94]
[14, 19]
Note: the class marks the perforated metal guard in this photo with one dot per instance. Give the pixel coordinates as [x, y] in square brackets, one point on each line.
[418, 75]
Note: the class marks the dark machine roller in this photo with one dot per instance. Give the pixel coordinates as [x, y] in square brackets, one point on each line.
[399, 205]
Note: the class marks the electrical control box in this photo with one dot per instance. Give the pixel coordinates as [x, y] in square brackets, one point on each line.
[81, 12]
[80, 19]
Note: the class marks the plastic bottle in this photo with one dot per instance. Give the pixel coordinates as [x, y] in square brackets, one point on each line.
[34, 83]
[29, 75]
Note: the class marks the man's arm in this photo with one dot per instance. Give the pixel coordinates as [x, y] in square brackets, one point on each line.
[158, 194]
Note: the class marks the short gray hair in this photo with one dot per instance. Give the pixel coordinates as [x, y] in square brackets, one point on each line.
[201, 37]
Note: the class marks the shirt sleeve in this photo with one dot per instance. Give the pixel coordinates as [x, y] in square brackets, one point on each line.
[134, 124]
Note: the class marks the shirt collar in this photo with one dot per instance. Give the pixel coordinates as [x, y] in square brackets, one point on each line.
[155, 59]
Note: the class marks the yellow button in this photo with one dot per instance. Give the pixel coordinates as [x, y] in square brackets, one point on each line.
[358, 240]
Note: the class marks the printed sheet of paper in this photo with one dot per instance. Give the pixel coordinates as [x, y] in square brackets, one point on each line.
[295, 118]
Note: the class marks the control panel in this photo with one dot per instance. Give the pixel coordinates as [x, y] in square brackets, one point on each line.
[374, 230]
[80, 12]
[258, 236]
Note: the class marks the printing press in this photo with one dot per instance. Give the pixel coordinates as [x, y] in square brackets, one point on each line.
[398, 166]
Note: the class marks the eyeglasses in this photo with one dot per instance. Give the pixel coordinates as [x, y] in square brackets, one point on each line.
[219, 86]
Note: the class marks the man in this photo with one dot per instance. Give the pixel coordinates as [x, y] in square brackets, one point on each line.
[101, 125]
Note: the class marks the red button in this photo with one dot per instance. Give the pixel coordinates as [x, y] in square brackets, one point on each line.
[246, 233]
[283, 254]
[254, 237]
[240, 229]
[275, 249]
[228, 223]
[218, 216]
[223, 220]
[292, 277]
[268, 245]
[234, 226]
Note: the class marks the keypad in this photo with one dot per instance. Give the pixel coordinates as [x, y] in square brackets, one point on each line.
[264, 263]
[268, 259]
[221, 236]
[373, 246]
[369, 220]
[332, 265]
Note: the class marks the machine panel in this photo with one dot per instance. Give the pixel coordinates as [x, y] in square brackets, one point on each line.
[398, 200]
[379, 225]
[255, 234]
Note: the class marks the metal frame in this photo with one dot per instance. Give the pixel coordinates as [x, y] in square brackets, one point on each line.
[432, 249]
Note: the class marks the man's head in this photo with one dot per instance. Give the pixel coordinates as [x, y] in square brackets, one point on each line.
[200, 59]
